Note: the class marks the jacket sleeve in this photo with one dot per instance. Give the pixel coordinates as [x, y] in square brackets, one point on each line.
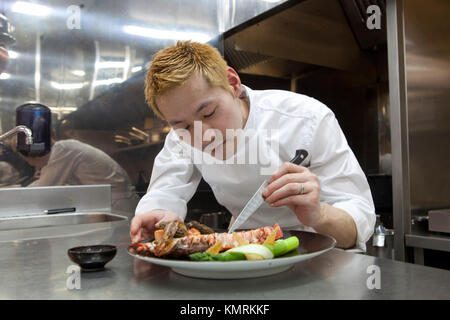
[343, 183]
[173, 182]
[59, 168]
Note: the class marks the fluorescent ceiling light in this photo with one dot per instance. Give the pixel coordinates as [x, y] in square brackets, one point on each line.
[12, 54]
[107, 82]
[4, 76]
[166, 34]
[32, 9]
[136, 69]
[63, 109]
[110, 64]
[79, 73]
[67, 86]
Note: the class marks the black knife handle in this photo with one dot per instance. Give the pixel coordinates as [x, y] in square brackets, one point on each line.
[300, 156]
[60, 210]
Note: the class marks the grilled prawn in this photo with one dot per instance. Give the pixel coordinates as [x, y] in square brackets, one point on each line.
[189, 244]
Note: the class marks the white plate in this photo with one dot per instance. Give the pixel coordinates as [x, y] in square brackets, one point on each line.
[311, 245]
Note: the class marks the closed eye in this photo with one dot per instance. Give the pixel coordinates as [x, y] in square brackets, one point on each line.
[210, 115]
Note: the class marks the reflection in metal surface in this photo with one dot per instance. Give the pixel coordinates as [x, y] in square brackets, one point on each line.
[116, 36]
[427, 27]
[40, 264]
[57, 220]
[312, 46]
[71, 162]
[32, 9]
[419, 78]
[146, 271]
[310, 32]
[17, 130]
[87, 63]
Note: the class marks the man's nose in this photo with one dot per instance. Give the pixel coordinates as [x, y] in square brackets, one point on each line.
[205, 126]
[208, 135]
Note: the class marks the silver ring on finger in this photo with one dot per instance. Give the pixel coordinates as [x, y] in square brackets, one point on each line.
[301, 189]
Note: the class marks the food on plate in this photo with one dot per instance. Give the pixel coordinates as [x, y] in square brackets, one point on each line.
[215, 248]
[168, 244]
[193, 232]
[204, 229]
[250, 251]
[173, 229]
[159, 234]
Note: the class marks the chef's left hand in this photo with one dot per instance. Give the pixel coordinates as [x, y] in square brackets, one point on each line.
[297, 188]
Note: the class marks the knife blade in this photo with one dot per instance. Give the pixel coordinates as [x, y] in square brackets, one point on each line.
[257, 199]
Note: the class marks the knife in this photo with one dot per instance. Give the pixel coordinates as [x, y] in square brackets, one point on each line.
[256, 200]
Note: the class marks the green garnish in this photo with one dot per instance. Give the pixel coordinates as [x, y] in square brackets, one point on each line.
[279, 248]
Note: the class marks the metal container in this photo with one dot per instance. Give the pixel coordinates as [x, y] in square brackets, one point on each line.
[215, 220]
[37, 117]
[382, 242]
[439, 220]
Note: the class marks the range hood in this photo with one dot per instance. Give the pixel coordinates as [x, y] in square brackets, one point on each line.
[299, 37]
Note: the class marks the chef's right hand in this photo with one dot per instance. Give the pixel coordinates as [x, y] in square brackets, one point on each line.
[144, 225]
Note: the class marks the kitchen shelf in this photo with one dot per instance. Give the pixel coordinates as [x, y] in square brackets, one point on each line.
[428, 240]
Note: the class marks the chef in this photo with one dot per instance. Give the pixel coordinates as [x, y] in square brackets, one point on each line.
[235, 138]
[72, 162]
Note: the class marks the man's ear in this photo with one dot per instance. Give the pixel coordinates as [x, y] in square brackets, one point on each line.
[234, 81]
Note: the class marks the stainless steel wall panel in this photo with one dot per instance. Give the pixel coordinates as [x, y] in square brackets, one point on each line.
[427, 30]
[419, 83]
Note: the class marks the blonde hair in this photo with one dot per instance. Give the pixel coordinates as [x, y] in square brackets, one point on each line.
[174, 65]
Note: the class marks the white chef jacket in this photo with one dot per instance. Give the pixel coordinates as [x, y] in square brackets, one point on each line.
[72, 162]
[302, 123]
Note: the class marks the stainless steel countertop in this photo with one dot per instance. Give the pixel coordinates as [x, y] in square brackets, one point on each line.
[35, 269]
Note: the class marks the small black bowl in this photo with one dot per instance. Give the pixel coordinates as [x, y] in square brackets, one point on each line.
[92, 258]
